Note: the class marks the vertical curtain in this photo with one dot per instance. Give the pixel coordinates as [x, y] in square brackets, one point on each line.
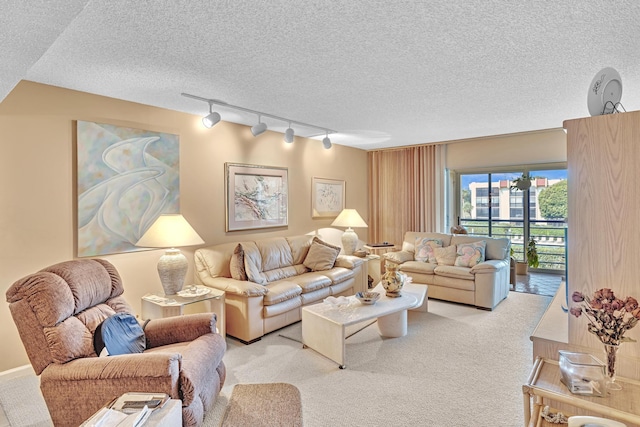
[404, 192]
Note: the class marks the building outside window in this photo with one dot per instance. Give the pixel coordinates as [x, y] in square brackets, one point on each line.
[489, 206]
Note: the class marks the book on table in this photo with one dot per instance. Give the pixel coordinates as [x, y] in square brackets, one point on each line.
[128, 410]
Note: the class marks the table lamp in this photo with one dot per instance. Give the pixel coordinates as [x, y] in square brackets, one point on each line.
[170, 231]
[349, 218]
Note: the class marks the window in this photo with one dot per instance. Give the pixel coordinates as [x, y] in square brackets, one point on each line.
[489, 206]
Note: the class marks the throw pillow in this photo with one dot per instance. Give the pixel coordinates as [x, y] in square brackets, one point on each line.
[321, 255]
[236, 266]
[424, 249]
[470, 254]
[119, 333]
[446, 255]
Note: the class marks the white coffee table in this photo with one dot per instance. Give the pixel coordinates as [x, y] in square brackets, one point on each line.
[324, 325]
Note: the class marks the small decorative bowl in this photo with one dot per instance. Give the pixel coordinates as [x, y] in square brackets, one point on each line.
[367, 298]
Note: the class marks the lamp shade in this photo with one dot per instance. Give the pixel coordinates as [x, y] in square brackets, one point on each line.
[349, 218]
[170, 230]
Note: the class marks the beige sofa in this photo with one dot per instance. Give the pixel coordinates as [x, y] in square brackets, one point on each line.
[279, 281]
[484, 285]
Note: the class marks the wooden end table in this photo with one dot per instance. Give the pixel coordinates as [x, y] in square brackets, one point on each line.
[544, 388]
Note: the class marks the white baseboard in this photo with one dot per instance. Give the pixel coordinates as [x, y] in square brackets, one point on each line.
[20, 371]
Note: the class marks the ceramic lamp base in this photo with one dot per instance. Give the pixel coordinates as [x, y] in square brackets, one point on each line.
[349, 241]
[172, 268]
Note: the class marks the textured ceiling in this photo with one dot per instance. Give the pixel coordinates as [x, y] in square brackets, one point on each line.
[380, 73]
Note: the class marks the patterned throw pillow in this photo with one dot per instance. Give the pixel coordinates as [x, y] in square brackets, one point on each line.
[236, 266]
[424, 249]
[470, 254]
[446, 255]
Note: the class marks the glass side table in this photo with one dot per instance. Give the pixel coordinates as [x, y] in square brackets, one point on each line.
[192, 299]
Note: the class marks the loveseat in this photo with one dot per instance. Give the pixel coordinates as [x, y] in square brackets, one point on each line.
[267, 281]
[460, 268]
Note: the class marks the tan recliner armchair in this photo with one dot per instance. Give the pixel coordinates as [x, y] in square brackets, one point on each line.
[57, 310]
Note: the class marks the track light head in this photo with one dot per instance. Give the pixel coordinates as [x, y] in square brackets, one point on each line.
[211, 119]
[288, 135]
[259, 128]
[326, 142]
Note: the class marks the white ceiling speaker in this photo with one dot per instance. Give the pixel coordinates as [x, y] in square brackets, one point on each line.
[259, 128]
[605, 92]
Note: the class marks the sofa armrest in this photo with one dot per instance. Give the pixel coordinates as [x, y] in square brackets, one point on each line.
[76, 389]
[489, 266]
[398, 257]
[138, 365]
[234, 286]
[348, 261]
[171, 330]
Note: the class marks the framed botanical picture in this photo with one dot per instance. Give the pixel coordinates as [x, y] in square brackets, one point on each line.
[257, 196]
[327, 197]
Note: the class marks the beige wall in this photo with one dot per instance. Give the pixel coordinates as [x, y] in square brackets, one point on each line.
[37, 171]
[547, 146]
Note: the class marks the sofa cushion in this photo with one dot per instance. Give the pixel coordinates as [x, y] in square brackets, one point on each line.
[424, 249]
[281, 291]
[446, 255]
[410, 239]
[338, 274]
[281, 273]
[315, 296]
[497, 248]
[312, 281]
[253, 263]
[275, 253]
[342, 287]
[299, 247]
[470, 254]
[321, 256]
[236, 265]
[417, 267]
[454, 272]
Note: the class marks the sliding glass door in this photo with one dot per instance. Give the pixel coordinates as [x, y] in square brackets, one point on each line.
[490, 205]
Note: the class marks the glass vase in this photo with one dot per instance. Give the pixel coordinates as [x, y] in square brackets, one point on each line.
[610, 356]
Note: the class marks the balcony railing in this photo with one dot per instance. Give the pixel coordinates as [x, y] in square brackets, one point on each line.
[550, 237]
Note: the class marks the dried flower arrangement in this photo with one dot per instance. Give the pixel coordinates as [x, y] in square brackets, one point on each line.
[609, 317]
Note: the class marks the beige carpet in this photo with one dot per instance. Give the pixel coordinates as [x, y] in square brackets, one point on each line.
[457, 367]
[264, 405]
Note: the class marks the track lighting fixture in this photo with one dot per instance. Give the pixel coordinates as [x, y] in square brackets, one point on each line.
[213, 117]
[288, 135]
[259, 128]
[326, 141]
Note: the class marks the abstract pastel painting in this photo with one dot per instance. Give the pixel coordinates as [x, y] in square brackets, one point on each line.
[257, 196]
[126, 178]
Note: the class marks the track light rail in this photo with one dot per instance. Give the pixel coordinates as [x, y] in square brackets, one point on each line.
[259, 113]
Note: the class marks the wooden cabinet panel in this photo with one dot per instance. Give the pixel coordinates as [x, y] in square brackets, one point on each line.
[603, 156]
